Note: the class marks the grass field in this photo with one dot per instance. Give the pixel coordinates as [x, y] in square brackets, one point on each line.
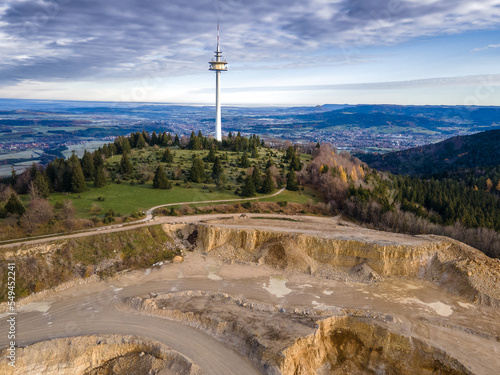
[126, 198]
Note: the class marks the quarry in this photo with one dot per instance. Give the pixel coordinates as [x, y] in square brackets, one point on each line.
[268, 294]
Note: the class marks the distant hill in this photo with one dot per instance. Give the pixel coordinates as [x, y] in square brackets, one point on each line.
[462, 152]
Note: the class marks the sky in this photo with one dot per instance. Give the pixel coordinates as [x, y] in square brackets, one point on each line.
[307, 52]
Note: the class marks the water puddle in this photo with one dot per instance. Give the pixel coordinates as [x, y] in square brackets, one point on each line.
[439, 307]
[42, 307]
[213, 276]
[466, 305]
[277, 287]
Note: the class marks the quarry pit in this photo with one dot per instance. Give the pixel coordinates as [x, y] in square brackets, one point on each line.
[271, 294]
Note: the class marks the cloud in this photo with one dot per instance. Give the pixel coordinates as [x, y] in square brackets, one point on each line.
[96, 40]
[485, 48]
[486, 81]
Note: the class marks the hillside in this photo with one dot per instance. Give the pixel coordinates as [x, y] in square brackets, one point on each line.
[462, 152]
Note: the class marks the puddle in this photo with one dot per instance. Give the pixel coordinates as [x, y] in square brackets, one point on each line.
[42, 307]
[213, 276]
[441, 308]
[466, 305]
[277, 286]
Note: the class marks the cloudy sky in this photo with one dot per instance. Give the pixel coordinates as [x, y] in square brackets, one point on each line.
[291, 52]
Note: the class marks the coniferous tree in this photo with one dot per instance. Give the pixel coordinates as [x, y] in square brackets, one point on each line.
[256, 177]
[14, 205]
[41, 184]
[98, 160]
[160, 181]
[126, 145]
[88, 165]
[197, 171]
[244, 162]
[100, 177]
[77, 178]
[255, 151]
[177, 141]
[125, 165]
[194, 142]
[167, 157]
[154, 138]
[218, 173]
[210, 158]
[141, 142]
[295, 163]
[291, 181]
[268, 185]
[248, 188]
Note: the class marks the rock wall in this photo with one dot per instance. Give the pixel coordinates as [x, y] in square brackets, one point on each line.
[99, 355]
[455, 266]
[347, 345]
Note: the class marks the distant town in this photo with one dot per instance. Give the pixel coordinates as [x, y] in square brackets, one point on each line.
[39, 131]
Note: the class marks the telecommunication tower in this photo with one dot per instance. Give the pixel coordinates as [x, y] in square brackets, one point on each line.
[218, 64]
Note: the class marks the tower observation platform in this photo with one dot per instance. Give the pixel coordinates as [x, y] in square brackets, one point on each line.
[218, 64]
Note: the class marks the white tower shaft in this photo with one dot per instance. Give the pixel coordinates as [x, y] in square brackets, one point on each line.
[218, 65]
[218, 122]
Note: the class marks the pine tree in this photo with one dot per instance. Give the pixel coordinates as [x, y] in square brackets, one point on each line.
[100, 177]
[295, 163]
[257, 179]
[160, 181]
[217, 170]
[291, 181]
[248, 188]
[177, 142]
[126, 145]
[244, 162]
[167, 157]
[154, 138]
[268, 185]
[88, 165]
[255, 152]
[197, 171]
[14, 205]
[125, 165]
[98, 161]
[194, 142]
[78, 180]
[211, 155]
[141, 142]
[41, 184]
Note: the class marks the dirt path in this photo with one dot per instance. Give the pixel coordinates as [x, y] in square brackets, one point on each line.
[119, 227]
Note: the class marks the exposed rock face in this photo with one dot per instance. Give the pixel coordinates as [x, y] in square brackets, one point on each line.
[100, 355]
[347, 345]
[453, 265]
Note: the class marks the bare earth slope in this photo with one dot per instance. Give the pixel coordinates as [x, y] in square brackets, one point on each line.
[285, 295]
